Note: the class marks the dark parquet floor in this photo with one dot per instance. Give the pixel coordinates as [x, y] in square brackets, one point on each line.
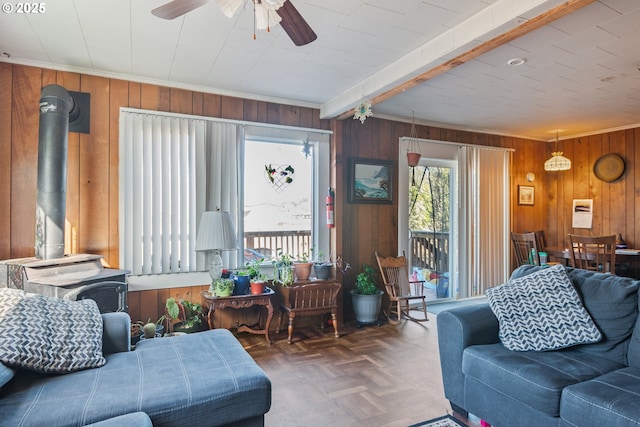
[387, 375]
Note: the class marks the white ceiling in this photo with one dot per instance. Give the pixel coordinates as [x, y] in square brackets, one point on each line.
[581, 73]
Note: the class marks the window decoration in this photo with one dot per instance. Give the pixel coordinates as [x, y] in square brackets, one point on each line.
[363, 110]
[279, 176]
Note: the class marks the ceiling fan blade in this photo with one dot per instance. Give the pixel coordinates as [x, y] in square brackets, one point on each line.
[176, 8]
[295, 26]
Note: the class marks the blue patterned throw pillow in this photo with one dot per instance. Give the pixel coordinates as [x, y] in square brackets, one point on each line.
[50, 335]
[541, 311]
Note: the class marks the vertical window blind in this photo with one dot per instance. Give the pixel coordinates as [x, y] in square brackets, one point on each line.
[158, 190]
[484, 218]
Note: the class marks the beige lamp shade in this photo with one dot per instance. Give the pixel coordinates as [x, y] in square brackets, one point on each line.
[215, 232]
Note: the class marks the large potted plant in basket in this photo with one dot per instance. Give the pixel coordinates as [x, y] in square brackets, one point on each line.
[366, 297]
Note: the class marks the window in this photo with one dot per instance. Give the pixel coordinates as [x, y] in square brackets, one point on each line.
[278, 196]
[174, 167]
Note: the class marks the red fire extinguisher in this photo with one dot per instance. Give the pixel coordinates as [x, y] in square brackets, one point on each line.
[329, 201]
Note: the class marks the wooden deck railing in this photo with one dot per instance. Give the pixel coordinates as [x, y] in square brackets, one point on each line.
[268, 243]
[427, 249]
[430, 250]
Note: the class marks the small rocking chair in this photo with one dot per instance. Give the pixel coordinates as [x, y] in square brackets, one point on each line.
[401, 290]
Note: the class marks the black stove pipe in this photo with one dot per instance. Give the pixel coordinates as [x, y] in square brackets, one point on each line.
[56, 105]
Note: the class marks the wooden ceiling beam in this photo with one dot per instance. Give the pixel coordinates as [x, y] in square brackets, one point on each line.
[526, 27]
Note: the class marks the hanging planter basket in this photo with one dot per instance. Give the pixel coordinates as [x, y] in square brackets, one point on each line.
[413, 150]
[413, 159]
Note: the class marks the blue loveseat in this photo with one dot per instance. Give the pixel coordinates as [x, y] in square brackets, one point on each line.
[585, 385]
[203, 379]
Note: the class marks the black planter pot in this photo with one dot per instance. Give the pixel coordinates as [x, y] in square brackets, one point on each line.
[323, 271]
[159, 333]
[178, 327]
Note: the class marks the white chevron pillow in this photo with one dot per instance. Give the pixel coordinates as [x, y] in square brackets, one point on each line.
[50, 335]
[541, 311]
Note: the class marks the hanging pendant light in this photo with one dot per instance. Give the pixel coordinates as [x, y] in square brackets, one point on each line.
[557, 162]
[413, 150]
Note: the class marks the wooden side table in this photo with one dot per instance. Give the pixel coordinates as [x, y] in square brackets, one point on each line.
[240, 302]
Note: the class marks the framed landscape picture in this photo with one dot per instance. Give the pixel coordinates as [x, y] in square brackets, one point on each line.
[526, 195]
[370, 181]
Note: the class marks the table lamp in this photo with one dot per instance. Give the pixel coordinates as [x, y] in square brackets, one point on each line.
[215, 234]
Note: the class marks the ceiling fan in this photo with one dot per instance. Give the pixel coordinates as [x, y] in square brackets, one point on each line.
[267, 12]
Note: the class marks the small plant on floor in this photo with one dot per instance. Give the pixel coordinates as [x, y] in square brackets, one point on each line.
[150, 328]
[189, 313]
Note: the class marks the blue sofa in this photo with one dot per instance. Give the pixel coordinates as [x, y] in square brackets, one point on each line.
[203, 379]
[585, 385]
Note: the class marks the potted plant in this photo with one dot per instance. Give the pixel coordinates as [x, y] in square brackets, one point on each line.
[145, 330]
[190, 315]
[366, 297]
[241, 280]
[283, 269]
[322, 266]
[257, 279]
[302, 267]
[223, 287]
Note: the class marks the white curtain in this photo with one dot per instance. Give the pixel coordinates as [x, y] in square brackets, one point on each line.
[171, 170]
[223, 178]
[484, 218]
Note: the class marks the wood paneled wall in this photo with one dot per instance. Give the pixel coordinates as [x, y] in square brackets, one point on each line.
[365, 228]
[361, 229]
[92, 181]
[616, 205]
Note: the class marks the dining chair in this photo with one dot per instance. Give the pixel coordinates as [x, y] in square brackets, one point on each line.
[526, 248]
[595, 253]
[541, 241]
[401, 290]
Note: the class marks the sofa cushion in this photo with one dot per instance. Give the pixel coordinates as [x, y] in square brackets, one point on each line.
[633, 355]
[133, 419]
[6, 373]
[541, 311]
[533, 378]
[612, 302]
[51, 335]
[202, 379]
[608, 400]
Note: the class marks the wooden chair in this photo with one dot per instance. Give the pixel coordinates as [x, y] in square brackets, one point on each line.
[541, 241]
[526, 248]
[593, 253]
[400, 289]
[311, 300]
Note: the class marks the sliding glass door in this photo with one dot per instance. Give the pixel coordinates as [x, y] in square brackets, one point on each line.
[453, 217]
